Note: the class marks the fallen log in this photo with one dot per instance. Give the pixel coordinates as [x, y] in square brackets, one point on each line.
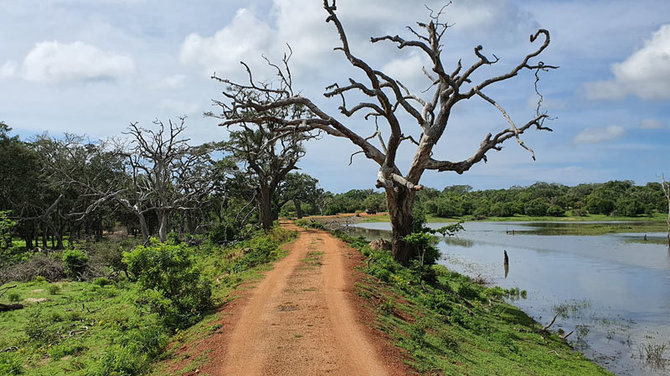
[10, 307]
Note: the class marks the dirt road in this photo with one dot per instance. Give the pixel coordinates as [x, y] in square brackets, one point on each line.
[303, 318]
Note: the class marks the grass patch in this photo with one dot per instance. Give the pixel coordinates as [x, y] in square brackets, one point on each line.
[80, 330]
[314, 258]
[97, 328]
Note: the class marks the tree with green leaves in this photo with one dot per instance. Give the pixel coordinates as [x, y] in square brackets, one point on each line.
[19, 191]
[6, 225]
[265, 155]
[300, 188]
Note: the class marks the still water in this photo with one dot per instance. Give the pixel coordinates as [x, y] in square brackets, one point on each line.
[612, 290]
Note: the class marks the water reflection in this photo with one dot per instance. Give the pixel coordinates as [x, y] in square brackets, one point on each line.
[461, 242]
[626, 283]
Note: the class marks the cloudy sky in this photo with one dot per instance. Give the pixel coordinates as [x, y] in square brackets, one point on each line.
[93, 66]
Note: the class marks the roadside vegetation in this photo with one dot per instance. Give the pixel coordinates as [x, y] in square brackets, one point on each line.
[450, 324]
[120, 321]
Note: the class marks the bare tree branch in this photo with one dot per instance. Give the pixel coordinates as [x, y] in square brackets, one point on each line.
[387, 102]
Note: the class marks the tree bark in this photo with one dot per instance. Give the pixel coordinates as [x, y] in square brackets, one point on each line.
[265, 208]
[143, 227]
[191, 225]
[162, 225]
[665, 186]
[298, 208]
[400, 207]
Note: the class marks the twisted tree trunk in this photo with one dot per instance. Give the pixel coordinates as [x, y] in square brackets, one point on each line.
[265, 208]
[400, 206]
[298, 208]
[163, 219]
[143, 226]
[666, 191]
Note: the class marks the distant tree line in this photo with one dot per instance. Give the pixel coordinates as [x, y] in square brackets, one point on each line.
[614, 198]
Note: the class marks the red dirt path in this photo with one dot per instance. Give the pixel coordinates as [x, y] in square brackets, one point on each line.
[303, 318]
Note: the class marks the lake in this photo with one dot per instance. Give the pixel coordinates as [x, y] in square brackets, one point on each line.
[612, 290]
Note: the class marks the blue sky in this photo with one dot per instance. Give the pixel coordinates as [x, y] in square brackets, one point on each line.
[93, 66]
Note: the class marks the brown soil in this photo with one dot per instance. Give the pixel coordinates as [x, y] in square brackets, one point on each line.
[303, 318]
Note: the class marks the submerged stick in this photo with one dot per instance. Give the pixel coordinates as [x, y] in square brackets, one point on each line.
[506, 263]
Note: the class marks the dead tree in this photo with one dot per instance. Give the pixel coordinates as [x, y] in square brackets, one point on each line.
[166, 174]
[389, 102]
[266, 154]
[666, 191]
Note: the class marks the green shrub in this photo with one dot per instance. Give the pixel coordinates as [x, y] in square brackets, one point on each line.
[173, 286]
[39, 279]
[121, 361]
[74, 315]
[222, 233]
[427, 253]
[53, 289]
[13, 296]
[149, 340]
[75, 263]
[226, 232]
[102, 281]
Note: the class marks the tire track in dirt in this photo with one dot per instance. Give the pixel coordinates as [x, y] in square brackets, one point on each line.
[301, 319]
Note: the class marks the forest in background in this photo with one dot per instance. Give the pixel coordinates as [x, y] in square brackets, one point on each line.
[613, 198]
[60, 191]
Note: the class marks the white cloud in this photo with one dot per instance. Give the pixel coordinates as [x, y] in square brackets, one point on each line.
[547, 103]
[481, 17]
[596, 135]
[646, 73]
[301, 25]
[7, 69]
[180, 108]
[54, 62]
[223, 51]
[172, 82]
[406, 70]
[652, 124]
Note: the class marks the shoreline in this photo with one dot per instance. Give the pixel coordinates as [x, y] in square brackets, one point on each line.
[456, 324]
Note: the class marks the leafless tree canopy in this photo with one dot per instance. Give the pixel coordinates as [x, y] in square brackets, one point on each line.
[167, 174]
[390, 100]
